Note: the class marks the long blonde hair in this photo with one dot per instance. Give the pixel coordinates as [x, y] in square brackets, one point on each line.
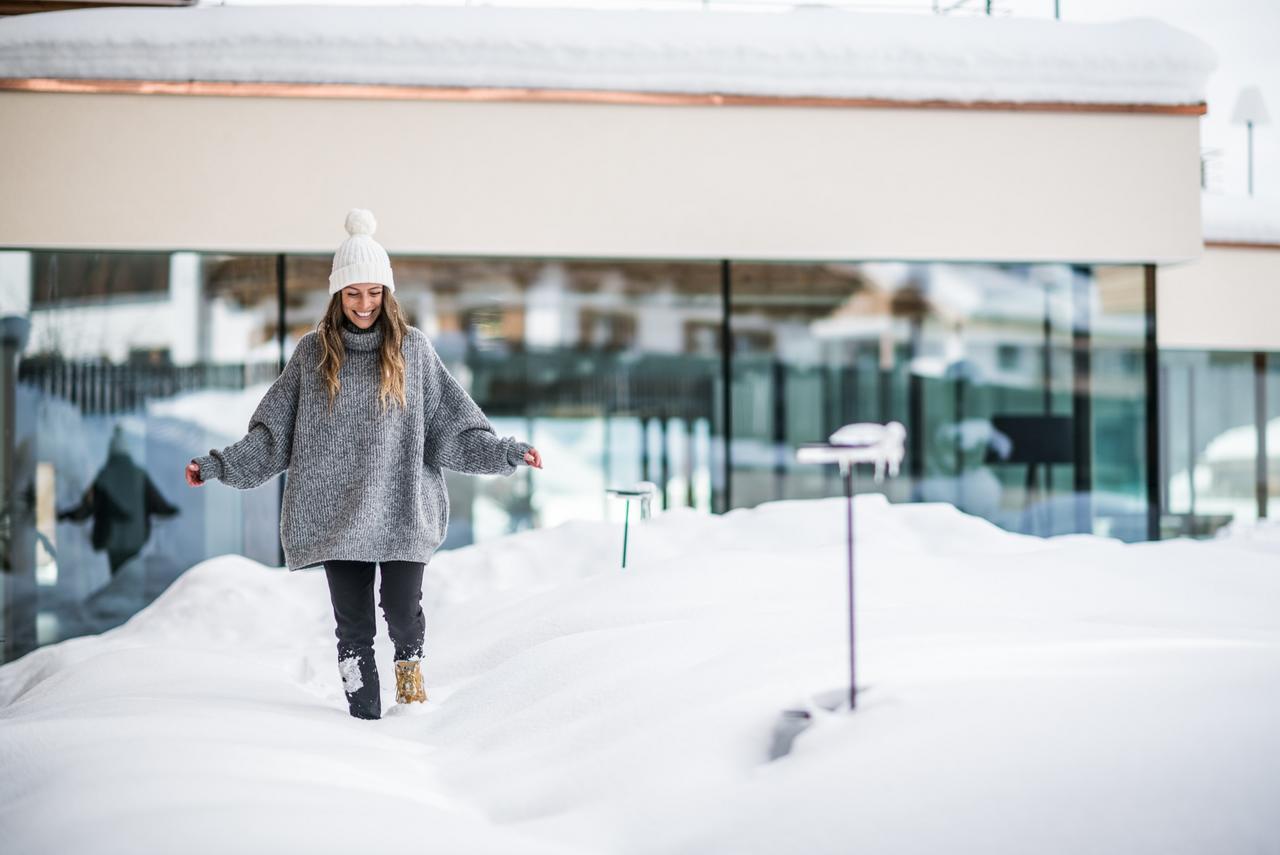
[390, 356]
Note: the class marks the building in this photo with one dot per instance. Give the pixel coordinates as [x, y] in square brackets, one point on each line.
[663, 245]
[1220, 371]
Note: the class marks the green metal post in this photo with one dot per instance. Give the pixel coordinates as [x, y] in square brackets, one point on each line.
[626, 521]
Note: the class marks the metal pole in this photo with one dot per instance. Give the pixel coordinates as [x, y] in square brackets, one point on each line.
[915, 411]
[848, 492]
[1048, 386]
[1082, 297]
[691, 500]
[1151, 364]
[1260, 421]
[1250, 126]
[644, 448]
[664, 459]
[883, 445]
[626, 522]
[1166, 462]
[1191, 440]
[726, 382]
[727, 379]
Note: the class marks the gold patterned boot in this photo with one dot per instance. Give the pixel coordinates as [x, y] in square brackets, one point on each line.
[409, 682]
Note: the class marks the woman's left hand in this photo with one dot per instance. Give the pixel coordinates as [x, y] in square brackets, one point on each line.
[533, 458]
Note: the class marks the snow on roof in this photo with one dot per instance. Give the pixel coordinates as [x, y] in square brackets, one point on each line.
[808, 51]
[1240, 219]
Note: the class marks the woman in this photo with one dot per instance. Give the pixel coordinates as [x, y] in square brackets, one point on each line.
[364, 416]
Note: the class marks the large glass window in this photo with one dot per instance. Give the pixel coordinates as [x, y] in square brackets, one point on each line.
[1271, 385]
[132, 364]
[1021, 387]
[1217, 404]
[609, 368]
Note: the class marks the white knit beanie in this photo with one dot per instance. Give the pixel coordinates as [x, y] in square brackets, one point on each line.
[360, 258]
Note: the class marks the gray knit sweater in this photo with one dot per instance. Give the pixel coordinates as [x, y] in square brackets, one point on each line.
[363, 484]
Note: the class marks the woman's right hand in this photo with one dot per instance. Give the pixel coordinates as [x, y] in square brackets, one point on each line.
[193, 474]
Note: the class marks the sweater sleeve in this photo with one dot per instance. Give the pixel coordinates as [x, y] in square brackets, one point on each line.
[265, 449]
[459, 436]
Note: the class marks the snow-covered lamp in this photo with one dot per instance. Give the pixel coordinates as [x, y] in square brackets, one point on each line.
[883, 447]
[1250, 110]
[644, 491]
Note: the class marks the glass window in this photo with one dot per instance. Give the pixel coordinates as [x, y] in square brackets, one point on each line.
[1271, 366]
[979, 362]
[609, 368]
[133, 364]
[1022, 388]
[1210, 428]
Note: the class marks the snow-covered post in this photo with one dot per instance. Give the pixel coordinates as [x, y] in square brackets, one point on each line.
[866, 442]
[645, 491]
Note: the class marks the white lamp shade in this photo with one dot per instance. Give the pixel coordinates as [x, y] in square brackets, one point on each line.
[1250, 107]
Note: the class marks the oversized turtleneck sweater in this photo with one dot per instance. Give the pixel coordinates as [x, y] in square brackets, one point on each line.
[363, 484]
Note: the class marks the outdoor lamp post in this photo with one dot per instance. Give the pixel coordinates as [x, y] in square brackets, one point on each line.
[882, 446]
[1250, 110]
[644, 491]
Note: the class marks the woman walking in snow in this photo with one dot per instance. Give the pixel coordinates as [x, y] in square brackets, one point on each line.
[363, 417]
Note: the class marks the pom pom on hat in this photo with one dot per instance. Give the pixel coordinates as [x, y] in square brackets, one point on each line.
[360, 258]
[361, 222]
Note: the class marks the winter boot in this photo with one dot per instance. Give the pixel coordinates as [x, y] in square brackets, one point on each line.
[409, 682]
[360, 683]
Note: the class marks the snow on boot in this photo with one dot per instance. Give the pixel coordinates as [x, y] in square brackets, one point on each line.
[409, 682]
[360, 683]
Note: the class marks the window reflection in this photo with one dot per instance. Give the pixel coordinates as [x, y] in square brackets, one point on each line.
[1210, 438]
[134, 362]
[1021, 386]
[608, 368]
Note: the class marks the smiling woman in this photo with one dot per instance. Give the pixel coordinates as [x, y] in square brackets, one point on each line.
[348, 506]
[362, 302]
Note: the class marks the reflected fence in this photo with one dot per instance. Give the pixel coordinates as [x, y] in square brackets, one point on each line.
[104, 388]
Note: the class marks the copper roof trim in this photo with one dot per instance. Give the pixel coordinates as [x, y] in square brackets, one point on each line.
[1238, 244]
[365, 91]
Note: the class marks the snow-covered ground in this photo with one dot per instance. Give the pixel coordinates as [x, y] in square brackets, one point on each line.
[1068, 695]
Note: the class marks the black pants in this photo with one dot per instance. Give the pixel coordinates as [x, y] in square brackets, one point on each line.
[400, 596]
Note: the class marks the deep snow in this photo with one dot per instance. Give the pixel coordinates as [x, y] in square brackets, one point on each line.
[1075, 694]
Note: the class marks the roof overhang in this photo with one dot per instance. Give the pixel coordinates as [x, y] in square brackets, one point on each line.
[999, 150]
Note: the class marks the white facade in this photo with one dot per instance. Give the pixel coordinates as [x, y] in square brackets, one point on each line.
[584, 180]
[1230, 298]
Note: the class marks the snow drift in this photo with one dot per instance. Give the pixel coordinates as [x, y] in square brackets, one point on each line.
[1073, 694]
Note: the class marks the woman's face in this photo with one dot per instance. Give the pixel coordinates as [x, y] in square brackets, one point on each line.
[361, 302]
